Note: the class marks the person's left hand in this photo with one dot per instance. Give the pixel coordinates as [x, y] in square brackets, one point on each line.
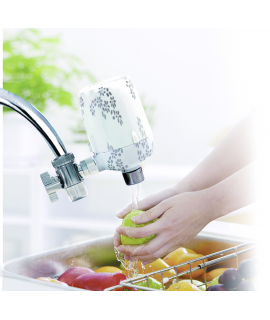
[181, 218]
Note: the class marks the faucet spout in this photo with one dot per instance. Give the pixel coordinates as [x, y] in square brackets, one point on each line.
[68, 176]
[36, 118]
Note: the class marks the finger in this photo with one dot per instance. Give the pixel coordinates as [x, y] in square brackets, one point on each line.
[144, 249]
[116, 239]
[152, 213]
[155, 199]
[140, 232]
[124, 212]
[127, 249]
[149, 202]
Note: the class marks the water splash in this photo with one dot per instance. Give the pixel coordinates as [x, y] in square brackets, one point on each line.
[131, 266]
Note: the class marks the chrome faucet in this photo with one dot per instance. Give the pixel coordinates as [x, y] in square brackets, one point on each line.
[117, 128]
[68, 176]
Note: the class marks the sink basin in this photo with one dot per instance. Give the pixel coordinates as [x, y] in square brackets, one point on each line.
[21, 274]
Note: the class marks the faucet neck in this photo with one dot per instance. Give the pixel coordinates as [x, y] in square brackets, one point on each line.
[36, 118]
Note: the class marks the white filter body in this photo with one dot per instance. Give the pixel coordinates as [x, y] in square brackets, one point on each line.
[116, 124]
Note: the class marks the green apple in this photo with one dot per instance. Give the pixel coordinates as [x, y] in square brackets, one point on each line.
[196, 283]
[127, 222]
[214, 281]
[153, 283]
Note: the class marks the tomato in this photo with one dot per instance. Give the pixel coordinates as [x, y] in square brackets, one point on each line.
[98, 281]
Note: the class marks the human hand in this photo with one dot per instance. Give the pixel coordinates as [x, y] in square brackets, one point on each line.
[181, 217]
[144, 205]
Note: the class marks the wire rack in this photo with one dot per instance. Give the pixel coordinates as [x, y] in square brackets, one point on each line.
[217, 257]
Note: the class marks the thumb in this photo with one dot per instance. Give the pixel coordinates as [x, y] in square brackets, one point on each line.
[152, 213]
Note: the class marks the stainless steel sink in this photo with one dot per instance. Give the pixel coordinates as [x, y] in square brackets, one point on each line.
[21, 274]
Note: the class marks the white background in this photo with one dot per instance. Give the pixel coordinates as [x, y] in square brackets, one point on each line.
[202, 82]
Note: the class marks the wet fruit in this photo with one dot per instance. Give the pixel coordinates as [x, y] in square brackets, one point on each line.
[211, 275]
[217, 287]
[214, 281]
[155, 266]
[230, 278]
[183, 286]
[153, 283]
[108, 269]
[183, 250]
[98, 281]
[248, 269]
[175, 258]
[127, 222]
[200, 285]
[72, 273]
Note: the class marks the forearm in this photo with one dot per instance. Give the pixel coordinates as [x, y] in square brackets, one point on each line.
[233, 153]
[233, 193]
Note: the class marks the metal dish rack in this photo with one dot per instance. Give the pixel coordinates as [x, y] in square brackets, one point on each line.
[225, 255]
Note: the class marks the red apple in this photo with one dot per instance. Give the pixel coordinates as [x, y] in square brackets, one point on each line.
[69, 275]
[98, 281]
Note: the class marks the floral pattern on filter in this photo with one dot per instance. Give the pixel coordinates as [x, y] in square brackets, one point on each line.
[141, 127]
[115, 162]
[108, 107]
[144, 150]
[130, 85]
[116, 158]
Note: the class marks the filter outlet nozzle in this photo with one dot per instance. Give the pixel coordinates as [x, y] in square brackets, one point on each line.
[133, 177]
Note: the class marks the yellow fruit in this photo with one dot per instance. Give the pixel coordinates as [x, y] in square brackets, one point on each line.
[211, 275]
[183, 250]
[109, 269]
[183, 286]
[177, 257]
[159, 264]
[196, 283]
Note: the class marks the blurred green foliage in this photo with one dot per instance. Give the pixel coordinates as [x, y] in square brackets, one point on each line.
[35, 68]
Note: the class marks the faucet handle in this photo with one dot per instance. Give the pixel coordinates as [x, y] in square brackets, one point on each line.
[52, 184]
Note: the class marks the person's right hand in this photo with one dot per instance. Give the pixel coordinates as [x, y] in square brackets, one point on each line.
[144, 205]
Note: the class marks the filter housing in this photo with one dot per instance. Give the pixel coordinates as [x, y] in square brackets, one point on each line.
[116, 124]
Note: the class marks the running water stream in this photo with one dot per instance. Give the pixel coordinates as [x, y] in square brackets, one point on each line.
[135, 190]
[131, 266]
